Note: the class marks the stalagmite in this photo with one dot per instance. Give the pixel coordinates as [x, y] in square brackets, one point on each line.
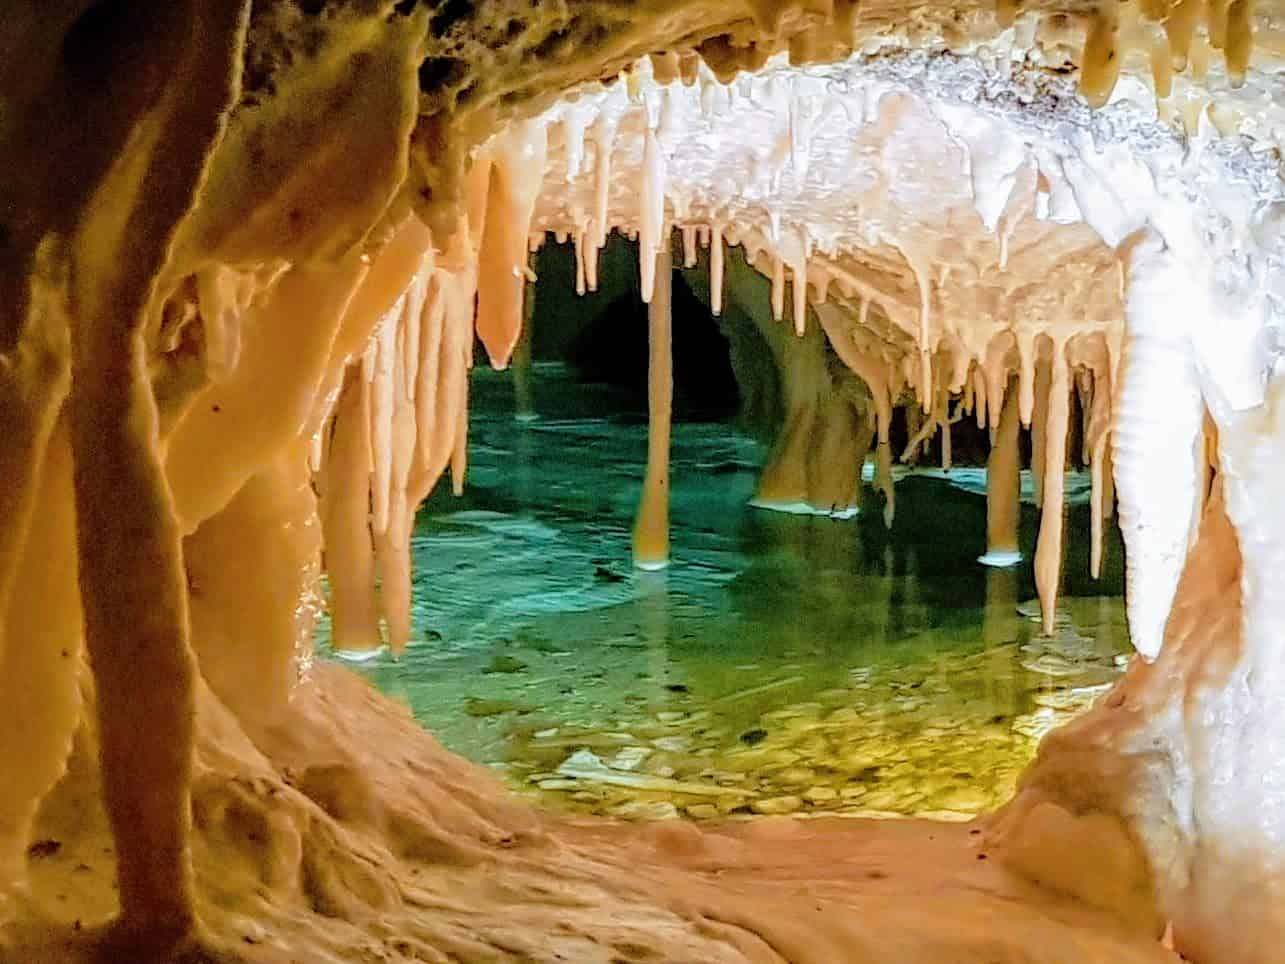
[517, 172]
[1003, 488]
[651, 530]
[1048, 548]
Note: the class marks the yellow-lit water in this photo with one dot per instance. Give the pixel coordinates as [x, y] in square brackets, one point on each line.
[782, 664]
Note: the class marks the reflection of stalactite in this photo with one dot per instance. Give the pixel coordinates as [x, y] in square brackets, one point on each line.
[651, 530]
[524, 406]
[40, 664]
[997, 629]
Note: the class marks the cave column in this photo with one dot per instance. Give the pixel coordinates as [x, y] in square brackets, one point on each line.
[132, 579]
[651, 531]
[1003, 488]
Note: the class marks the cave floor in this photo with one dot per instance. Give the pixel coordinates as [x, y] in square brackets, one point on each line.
[783, 663]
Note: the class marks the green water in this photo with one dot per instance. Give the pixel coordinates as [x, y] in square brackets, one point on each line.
[781, 664]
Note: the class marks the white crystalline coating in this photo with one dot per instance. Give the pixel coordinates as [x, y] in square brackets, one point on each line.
[892, 170]
[652, 214]
[994, 159]
[1158, 439]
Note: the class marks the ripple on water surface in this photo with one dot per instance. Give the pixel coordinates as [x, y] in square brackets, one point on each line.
[782, 664]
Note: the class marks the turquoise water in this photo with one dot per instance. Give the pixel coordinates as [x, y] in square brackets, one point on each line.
[781, 664]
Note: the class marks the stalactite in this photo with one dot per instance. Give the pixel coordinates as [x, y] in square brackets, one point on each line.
[1039, 428]
[651, 219]
[651, 530]
[581, 276]
[604, 135]
[716, 269]
[778, 288]
[689, 245]
[1048, 550]
[392, 267]
[1026, 375]
[980, 400]
[1003, 487]
[432, 321]
[345, 520]
[523, 403]
[392, 545]
[799, 285]
[1101, 58]
[517, 173]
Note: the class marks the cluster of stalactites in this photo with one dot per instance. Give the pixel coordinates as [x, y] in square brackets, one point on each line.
[1024, 373]
[399, 419]
[1012, 184]
[1168, 31]
[1174, 35]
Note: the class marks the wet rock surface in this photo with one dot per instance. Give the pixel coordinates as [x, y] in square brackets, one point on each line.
[783, 664]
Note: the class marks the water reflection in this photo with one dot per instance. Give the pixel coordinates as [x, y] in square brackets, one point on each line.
[782, 664]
